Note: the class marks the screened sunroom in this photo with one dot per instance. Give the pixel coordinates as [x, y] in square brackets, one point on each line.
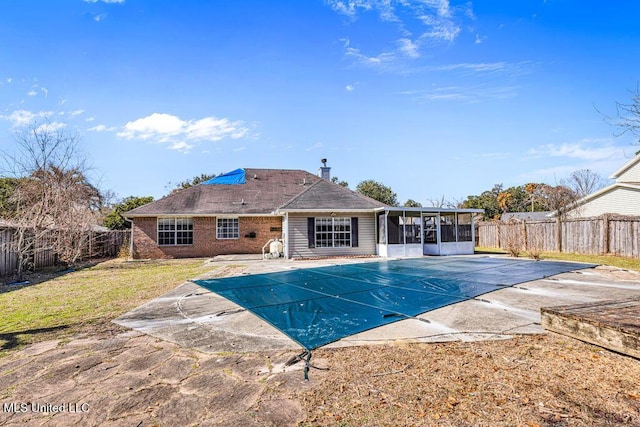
[409, 232]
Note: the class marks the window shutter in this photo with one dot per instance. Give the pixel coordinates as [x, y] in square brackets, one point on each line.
[354, 232]
[311, 232]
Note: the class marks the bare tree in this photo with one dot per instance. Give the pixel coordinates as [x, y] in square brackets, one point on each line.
[628, 116]
[54, 203]
[585, 181]
[511, 237]
[441, 202]
[558, 199]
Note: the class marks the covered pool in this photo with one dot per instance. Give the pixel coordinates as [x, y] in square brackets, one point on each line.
[318, 306]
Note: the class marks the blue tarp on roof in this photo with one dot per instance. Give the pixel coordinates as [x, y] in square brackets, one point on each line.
[320, 305]
[230, 178]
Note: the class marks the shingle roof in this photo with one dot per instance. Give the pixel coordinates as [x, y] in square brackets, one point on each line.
[526, 216]
[264, 191]
[326, 195]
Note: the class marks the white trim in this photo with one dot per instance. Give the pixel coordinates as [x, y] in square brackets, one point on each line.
[625, 167]
[428, 209]
[324, 211]
[209, 215]
[218, 228]
[175, 231]
[333, 231]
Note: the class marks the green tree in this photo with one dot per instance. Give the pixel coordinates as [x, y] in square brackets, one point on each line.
[114, 219]
[337, 180]
[378, 191]
[8, 187]
[496, 201]
[412, 204]
[487, 200]
[190, 182]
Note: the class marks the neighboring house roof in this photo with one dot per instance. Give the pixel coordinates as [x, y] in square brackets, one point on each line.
[263, 192]
[625, 168]
[526, 216]
[627, 181]
[325, 195]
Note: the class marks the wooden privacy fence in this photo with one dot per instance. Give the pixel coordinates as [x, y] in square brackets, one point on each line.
[92, 244]
[606, 234]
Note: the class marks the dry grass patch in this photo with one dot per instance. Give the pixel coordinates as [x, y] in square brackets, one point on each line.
[90, 296]
[527, 381]
[610, 260]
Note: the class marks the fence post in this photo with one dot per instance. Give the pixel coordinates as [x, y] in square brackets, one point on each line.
[559, 233]
[605, 226]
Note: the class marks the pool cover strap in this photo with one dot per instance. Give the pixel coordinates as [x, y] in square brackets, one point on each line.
[306, 357]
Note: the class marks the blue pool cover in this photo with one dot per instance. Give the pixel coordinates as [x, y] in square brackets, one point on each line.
[318, 306]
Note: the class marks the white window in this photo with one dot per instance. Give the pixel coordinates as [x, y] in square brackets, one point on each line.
[175, 231]
[333, 232]
[227, 228]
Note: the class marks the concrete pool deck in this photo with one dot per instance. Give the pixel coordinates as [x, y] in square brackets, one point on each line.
[196, 318]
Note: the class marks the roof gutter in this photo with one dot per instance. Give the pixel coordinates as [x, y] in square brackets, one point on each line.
[200, 215]
[429, 209]
[284, 211]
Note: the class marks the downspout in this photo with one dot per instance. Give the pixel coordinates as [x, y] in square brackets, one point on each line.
[130, 238]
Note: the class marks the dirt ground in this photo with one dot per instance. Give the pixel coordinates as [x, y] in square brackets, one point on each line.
[115, 377]
[107, 375]
[122, 378]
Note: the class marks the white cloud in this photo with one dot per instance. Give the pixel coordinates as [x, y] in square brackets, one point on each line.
[375, 61]
[508, 69]
[34, 91]
[469, 94]
[350, 88]
[102, 128]
[589, 149]
[409, 48]
[316, 146]
[420, 24]
[23, 117]
[51, 127]
[181, 146]
[350, 7]
[100, 17]
[105, 1]
[181, 134]
[75, 113]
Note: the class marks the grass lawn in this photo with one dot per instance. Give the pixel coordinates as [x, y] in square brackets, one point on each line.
[614, 261]
[87, 297]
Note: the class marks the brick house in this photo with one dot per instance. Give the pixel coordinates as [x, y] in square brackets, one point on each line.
[242, 211]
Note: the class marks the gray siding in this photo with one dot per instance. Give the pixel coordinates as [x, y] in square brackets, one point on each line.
[299, 245]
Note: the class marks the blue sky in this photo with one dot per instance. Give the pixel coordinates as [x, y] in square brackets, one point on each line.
[431, 97]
